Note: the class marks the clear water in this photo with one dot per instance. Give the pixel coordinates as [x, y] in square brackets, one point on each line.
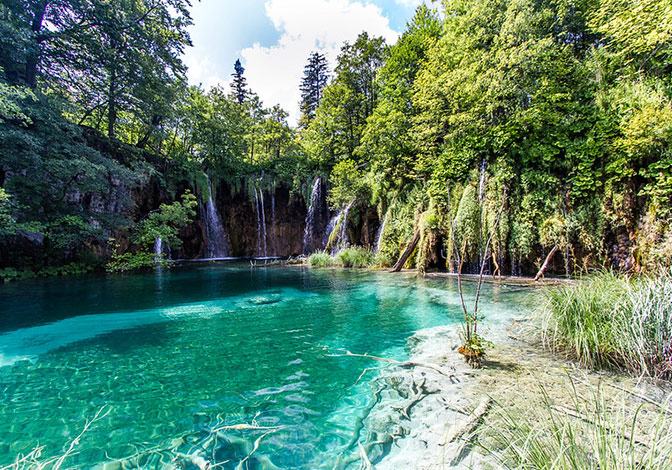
[176, 354]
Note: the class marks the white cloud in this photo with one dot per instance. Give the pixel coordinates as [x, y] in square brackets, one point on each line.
[274, 72]
[202, 71]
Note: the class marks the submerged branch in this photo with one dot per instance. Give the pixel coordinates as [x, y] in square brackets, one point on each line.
[434, 367]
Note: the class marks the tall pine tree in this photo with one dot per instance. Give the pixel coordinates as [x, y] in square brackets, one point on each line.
[315, 78]
[239, 84]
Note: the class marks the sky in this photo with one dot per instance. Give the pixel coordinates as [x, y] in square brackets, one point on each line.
[273, 39]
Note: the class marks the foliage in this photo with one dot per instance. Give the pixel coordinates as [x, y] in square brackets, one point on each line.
[162, 224]
[166, 222]
[12, 274]
[346, 184]
[135, 261]
[239, 82]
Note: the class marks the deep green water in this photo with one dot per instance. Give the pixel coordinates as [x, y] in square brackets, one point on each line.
[176, 354]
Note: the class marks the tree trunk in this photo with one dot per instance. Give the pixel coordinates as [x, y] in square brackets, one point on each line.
[409, 250]
[545, 265]
[112, 105]
[33, 57]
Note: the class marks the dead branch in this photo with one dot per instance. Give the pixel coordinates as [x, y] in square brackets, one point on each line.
[254, 449]
[409, 250]
[545, 265]
[366, 463]
[468, 424]
[418, 395]
[433, 367]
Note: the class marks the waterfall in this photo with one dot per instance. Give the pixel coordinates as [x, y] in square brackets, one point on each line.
[481, 185]
[158, 249]
[309, 235]
[381, 230]
[217, 241]
[256, 209]
[273, 234]
[339, 221]
[263, 221]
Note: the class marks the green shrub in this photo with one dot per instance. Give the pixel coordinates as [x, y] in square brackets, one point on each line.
[134, 261]
[354, 257]
[320, 259]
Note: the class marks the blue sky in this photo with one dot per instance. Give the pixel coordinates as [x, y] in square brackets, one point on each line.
[273, 39]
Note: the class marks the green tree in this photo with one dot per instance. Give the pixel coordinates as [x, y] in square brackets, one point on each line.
[239, 83]
[315, 78]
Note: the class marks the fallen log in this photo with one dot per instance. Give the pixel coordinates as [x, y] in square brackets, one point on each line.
[468, 424]
[545, 265]
[407, 252]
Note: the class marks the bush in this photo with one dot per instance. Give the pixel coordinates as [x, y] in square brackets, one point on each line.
[320, 259]
[611, 320]
[354, 257]
[135, 261]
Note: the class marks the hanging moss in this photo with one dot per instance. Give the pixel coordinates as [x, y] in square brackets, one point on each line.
[467, 223]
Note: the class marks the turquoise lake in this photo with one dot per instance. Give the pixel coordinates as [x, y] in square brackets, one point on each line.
[174, 355]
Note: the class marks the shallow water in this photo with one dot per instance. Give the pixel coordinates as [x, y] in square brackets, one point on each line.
[174, 355]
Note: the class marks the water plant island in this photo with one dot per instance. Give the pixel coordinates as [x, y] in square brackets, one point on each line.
[457, 256]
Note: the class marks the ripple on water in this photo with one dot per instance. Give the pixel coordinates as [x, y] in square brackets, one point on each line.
[180, 357]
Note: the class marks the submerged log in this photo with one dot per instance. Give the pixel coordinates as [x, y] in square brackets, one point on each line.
[405, 255]
[545, 265]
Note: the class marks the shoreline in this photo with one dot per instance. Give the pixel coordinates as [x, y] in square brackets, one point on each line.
[421, 410]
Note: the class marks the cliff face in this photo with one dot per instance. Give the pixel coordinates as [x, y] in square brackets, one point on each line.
[270, 223]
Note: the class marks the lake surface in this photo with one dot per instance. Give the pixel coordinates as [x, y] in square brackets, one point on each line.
[174, 356]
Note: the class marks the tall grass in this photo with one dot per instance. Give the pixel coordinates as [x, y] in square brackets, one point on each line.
[598, 433]
[354, 257]
[320, 259]
[611, 320]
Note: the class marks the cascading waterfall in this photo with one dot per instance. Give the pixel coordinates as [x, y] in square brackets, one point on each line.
[273, 234]
[309, 235]
[340, 221]
[381, 230]
[263, 223]
[257, 210]
[217, 243]
[158, 248]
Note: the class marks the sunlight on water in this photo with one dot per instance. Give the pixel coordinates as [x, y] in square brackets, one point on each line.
[179, 354]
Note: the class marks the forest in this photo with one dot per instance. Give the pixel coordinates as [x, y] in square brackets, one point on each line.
[556, 111]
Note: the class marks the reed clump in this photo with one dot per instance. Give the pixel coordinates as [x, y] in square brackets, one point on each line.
[613, 320]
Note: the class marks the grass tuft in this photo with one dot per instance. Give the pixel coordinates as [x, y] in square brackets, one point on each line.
[354, 257]
[320, 259]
